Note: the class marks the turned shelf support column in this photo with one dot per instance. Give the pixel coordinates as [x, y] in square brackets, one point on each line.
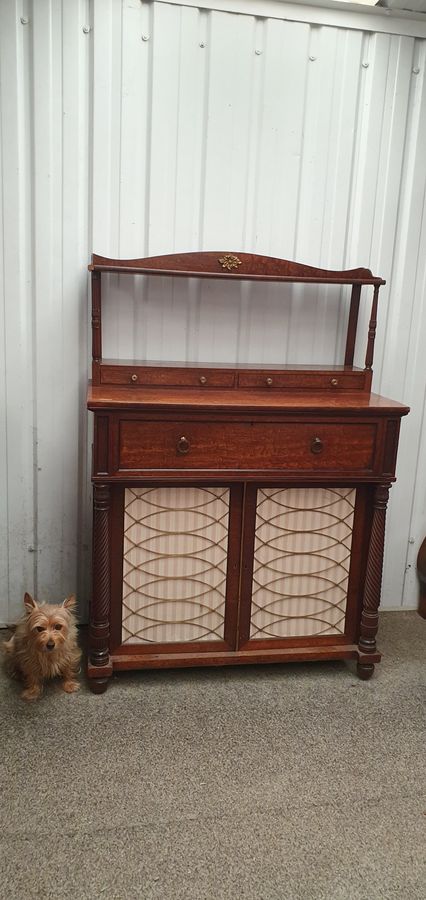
[96, 327]
[373, 582]
[372, 330]
[100, 607]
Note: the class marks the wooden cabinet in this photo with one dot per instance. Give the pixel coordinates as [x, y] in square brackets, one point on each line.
[239, 511]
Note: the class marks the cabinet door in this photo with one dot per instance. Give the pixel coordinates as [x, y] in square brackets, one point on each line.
[176, 574]
[301, 561]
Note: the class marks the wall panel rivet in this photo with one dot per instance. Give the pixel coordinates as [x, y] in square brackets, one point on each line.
[258, 52]
[202, 44]
[416, 70]
[24, 20]
[86, 29]
[145, 37]
[312, 58]
[365, 65]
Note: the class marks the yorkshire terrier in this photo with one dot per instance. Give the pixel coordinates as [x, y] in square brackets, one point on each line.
[43, 646]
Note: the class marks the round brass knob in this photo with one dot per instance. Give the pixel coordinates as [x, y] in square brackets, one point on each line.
[203, 379]
[182, 445]
[317, 445]
[334, 382]
[134, 377]
[269, 381]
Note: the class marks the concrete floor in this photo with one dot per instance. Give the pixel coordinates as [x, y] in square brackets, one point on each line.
[256, 783]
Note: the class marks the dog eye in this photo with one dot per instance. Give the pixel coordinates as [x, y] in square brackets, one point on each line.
[58, 627]
[40, 628]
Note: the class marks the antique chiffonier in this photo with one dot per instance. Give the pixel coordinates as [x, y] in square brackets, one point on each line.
[239, 510]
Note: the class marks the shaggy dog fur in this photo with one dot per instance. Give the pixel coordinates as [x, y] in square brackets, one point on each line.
[44, 646]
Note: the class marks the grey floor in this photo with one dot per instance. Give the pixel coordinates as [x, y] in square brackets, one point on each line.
[250, 783]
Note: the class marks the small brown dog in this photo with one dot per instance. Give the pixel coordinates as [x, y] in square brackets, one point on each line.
[43, 646]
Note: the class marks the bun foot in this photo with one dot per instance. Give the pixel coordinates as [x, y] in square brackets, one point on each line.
[364, 670]
[99, 685]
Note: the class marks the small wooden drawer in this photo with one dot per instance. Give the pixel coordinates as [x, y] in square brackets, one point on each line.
[167, 376]
[146, 445]
[321, 381]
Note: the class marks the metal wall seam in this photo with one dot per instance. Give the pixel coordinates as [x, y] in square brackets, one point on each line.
[17, 502]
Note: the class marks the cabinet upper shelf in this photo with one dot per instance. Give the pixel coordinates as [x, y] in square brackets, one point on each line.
[243, 267]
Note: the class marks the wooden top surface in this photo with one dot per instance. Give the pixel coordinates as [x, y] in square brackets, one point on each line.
[157, 399]
[299, 368]
[230, 264]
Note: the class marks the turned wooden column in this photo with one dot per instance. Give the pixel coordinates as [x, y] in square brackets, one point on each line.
[372, 329]
[100, 607]
[373, 581]
[96, 327]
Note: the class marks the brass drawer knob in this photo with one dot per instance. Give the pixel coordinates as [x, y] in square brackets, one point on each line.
[334, 382]
[182, 445]
[317, 445]
[269, 381]
[203, 379]
[134, 377]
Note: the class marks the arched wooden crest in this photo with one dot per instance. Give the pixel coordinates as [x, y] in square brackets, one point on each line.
[231, 264]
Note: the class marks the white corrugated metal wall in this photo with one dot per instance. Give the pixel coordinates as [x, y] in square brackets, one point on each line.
[135, 128]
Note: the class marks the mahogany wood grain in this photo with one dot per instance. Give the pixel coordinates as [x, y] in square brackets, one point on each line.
[391, 446]
[327, 403]
[249, 266]
[116, 556]
[96, 326]
[240, 426]
[167, 376]
[241, 266]
[314, 381]
[357, 561]
[306, 368]
[235, 531]
[299, 446]
[352, 325]
[247, 564]
[359, 555]
[121, 662]
[373, 579]
[266, 378]
[372, 330]
[101, 445]
[100, 605]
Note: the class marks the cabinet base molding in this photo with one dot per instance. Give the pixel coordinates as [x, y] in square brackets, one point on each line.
[122, 662]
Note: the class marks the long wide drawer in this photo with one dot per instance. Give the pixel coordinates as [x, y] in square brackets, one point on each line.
[244, 445]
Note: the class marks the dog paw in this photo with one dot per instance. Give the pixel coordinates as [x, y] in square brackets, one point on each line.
[32, 693]
[70, 686]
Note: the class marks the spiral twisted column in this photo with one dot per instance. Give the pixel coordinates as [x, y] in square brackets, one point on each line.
[373, 578]
[100, 607]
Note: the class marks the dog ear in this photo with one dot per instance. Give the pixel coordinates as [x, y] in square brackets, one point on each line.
[70, 602]
[29, 603]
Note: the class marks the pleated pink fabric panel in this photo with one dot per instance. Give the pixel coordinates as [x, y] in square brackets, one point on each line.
[174, 565]
[301, 561]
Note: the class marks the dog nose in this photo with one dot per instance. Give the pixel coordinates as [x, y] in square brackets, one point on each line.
[50, 645]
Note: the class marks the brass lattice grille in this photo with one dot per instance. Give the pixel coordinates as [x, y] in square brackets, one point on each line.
[174, 564]
[301, 561]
